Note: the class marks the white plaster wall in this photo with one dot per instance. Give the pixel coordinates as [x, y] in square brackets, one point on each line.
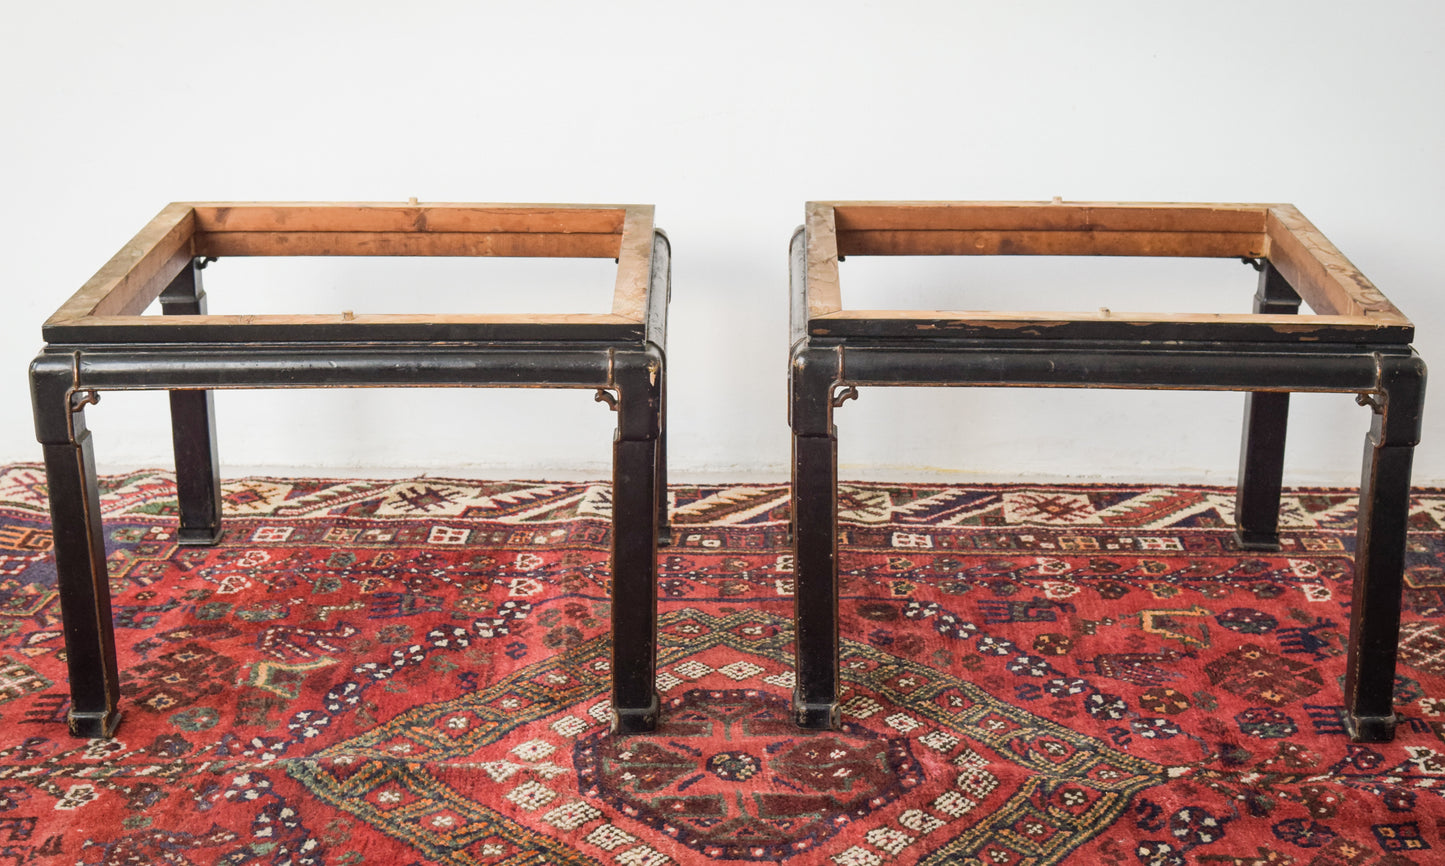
[727, 117]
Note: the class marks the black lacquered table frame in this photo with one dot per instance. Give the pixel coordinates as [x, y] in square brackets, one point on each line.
[620, 356]
[833, 353]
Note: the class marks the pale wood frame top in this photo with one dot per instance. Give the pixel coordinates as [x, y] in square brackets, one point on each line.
[1347, 306]
[111, 302]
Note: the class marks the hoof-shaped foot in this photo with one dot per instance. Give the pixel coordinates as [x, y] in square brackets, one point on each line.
[93, 726]
[198, 536]
[1370, 729]
[817, 717]
[636, 720]
[1247, 540]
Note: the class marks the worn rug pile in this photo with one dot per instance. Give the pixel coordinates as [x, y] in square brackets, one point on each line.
[412, 672]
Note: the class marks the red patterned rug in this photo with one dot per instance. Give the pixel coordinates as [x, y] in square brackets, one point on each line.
[412, 672]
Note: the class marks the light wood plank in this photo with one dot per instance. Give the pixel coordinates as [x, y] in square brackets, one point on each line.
[1012, 319]
[358, 318]
[1305, 273]
[824, 294]
[942, 323]
[634, 265]
[602, 246]
[137, 274]
[1051, 243]
[391, 217]
[410, 328]
[1046, 216]
[1324, 278]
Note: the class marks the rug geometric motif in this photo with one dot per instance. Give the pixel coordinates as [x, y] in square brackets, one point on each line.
[999, 778]
[415, 671]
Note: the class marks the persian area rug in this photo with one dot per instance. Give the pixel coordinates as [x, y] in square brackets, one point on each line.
[411, 672]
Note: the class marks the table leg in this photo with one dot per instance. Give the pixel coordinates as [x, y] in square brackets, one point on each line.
[193, 431]
[79, 548]
[664, 524]
[1261, 470]
[1380, 549]
[635, 510]
[1266, 416]
[815, 539]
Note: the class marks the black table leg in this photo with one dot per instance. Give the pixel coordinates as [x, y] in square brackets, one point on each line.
[1266, 416]
[1380, 549]
[815, 539]
[664, 523]
[193, 431]
[635, 529]
[1261, 470]
[79, 549]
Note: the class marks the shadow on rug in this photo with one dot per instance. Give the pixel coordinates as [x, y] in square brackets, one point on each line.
[416, 672]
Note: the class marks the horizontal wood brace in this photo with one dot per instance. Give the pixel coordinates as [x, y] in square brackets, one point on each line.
[483, 219]
[1045, 216]
[1203, 327]
[992, 242]
[328, 243]
[1012, 319]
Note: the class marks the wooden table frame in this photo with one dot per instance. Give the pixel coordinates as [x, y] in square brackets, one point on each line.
[1355, 342]
[99, 341]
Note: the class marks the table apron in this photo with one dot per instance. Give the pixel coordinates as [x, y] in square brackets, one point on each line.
[328, 367]
[1201, 370]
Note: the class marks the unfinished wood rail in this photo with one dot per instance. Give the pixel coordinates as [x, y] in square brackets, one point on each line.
[1346, 305]
[109, 306]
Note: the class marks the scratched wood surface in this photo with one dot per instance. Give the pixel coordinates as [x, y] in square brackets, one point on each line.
[1346, 306]
[109, 306]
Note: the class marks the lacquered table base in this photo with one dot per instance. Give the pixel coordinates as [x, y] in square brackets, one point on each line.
[98, 342]
[1355, 343]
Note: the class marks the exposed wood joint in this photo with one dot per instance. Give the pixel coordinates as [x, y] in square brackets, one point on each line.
[1320, 273]
[824, 294]
[634, 264]
[139, 272]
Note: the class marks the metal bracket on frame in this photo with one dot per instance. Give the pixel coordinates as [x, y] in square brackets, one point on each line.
[80, 399]
[1373, 400]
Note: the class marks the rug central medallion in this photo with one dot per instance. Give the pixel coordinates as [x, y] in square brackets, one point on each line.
[954, 774]
[687, 784]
